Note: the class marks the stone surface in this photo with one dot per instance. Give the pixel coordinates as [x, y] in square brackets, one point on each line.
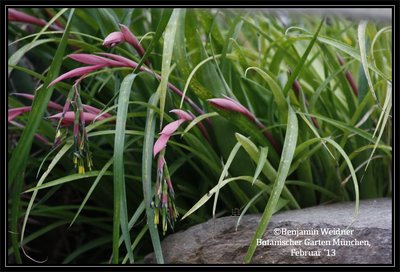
[217, 241]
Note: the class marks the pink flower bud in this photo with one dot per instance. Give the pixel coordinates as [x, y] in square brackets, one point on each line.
[77, 73]
[183, 115]
[127, 62]
[230, 104]
[13, 113]
[95, 60]
[69, 117]
[51, 104]
[132, 40]
[18, 16]
[113, 39]
[96, 111]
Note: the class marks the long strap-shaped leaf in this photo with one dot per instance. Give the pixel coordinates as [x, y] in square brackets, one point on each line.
[169, 41]
[303, 59]
[232, 155]
[21, 153]
[147, 160]
[53, 163]
[120, 207]
[284, 165]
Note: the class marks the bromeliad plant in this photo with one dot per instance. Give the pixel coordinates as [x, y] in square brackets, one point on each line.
[164, 199]
[294, 139]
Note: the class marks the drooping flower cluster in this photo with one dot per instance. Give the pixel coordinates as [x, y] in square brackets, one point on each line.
[164, 197]
[96, 62]
[81, 115]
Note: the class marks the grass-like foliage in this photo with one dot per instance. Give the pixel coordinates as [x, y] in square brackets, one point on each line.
[124, 123]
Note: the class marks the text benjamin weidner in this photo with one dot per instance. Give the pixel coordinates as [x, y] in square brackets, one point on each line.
[312, 232]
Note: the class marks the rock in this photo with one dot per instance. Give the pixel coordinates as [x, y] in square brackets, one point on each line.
[367, 241]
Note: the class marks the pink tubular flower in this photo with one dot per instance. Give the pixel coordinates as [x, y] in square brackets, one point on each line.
[95, 62]
[13, 113]
[81, 71]
[18, 16]
[169, 129]
[91, 59]
[183, 115]
[230, 104]
[125, 35]
[120, 59]
[96, 111]
[112, 60]
[69, 117]
[50, 105]
[55, 106]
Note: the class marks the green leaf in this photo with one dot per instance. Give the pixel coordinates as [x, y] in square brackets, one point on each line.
[53, 163]
[86, 247]
[343, 126]
[136, 242]
[279, 97]
[268, 170]
[284, 165]
[97, 180]
[197, 120]
[353, 173]
[302, 61]
[120, 206]
[133, 220]
[169, 41]
[348, 50]
[281, 203]
[384, 116]
[261, 162]
[363, 54]
[224, 182]
[66, 179]
[232, 155]
[20, 155]
[159, 31]
[16, 57]
[147, 159]
[191, 75]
